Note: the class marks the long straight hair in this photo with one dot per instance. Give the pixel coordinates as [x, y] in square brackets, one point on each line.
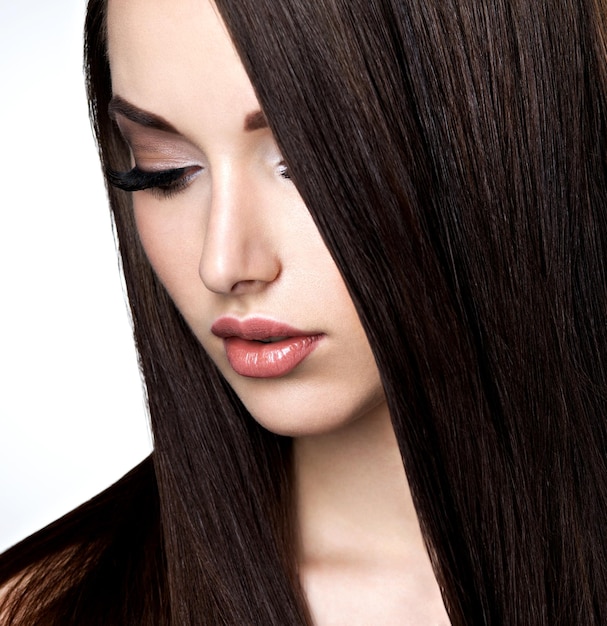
[453, 155]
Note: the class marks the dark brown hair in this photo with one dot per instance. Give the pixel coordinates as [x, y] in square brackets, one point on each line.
[453, 155]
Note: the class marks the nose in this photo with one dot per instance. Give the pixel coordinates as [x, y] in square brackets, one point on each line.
[238, 254]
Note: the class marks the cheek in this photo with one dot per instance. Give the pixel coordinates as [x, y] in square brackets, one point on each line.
[172, 245]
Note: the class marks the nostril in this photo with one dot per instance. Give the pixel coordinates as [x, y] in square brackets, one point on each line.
[242, 271]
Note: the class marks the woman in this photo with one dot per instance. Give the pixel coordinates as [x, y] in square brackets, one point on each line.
[442, 302]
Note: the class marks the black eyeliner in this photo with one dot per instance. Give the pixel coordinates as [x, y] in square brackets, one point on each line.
[137, 180]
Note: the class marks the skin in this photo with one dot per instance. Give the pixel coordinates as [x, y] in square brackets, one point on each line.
[238, 240]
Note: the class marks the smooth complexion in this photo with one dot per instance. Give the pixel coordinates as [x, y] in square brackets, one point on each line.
[237, 241]
[233, 243]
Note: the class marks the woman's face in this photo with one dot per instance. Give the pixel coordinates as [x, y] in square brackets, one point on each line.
[229, 236]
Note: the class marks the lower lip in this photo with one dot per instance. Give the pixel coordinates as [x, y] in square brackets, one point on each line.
[268, 360]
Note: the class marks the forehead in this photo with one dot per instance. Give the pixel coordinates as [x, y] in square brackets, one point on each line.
[175, 57]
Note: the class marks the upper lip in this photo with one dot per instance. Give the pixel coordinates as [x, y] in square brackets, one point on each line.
[254, 329]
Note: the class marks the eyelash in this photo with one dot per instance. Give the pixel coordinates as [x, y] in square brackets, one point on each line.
[283, 171]
[164, 183]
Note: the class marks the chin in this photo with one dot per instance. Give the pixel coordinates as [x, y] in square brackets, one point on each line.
[314, 417]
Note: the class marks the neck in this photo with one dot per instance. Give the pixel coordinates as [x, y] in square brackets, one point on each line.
[352, 496]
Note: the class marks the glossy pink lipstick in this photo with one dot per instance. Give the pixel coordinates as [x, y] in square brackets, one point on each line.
[260, 348]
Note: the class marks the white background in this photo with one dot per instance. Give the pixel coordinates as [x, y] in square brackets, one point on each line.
[72, 416]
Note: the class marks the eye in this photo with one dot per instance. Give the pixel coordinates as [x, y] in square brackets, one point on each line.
[283, 171]
[163, 183]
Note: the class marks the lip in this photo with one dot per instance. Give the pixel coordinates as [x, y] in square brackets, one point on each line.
[248, 356]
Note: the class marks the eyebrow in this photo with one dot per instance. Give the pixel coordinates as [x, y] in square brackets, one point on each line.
[255, 121]
[119, 106]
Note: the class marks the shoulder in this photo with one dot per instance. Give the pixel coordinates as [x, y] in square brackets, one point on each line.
[91, 563]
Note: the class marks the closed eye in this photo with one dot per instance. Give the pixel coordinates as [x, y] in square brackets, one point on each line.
[283, 170]
[163, 183]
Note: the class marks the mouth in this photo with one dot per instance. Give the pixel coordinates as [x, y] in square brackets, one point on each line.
[271, 340]
[259, 348]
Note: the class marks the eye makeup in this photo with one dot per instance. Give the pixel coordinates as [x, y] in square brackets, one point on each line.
[164, 183]
[155, 144]
[283, 171]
